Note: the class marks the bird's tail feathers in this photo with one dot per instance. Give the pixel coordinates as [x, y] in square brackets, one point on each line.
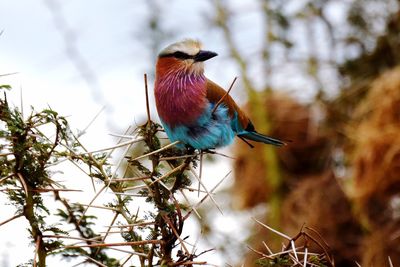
[254, 136]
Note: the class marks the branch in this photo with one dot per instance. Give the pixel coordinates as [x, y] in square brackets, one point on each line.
[12, 218]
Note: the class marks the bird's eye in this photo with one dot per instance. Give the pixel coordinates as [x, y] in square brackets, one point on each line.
[181, 55]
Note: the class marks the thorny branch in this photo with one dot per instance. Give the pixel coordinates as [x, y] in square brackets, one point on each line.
[158, 174]
[297, 255]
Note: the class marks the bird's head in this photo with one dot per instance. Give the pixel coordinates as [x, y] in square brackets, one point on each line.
[185, 55]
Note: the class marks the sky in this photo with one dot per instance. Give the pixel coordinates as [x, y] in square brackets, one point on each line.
[81, 58]
[85, 57]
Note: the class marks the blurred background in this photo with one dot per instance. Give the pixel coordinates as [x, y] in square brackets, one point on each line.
[321, 73]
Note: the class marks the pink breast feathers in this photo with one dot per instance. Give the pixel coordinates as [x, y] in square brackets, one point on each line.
[180, 99]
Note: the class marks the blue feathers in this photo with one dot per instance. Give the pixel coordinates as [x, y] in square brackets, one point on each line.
[250, 134]
[254, 136]
[209, 130]
[185, 99]
[215, 130]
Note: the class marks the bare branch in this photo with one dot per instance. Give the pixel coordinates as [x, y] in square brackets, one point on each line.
[12, 218]
[157, 151]
[147, 99]
[272, 230]
[224, 96]
[105, 245]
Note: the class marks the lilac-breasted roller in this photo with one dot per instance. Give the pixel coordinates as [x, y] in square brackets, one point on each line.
[185, 100]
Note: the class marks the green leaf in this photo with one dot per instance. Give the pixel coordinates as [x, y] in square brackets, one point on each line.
[5, 86]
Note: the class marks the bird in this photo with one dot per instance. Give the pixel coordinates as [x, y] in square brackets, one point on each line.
[193, 109]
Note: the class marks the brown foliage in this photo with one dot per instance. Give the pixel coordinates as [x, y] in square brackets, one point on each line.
[381, 244]
[376, 156]
[360, 222]
[319, 202]
[305, 155]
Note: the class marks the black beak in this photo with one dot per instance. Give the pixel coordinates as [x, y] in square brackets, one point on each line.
[204, 55]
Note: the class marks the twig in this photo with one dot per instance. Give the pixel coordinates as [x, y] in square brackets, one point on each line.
[126, 194]
[200, 173]
[223, 97]
[112, 147]
[319, 236]
[44, 190]
[269, 250]
[11, 73]
[129, 252]
[191, 189]
[99, 207]
[205, 188]
[205, 251]
[132, 225]
[95, 261]
[108, 230]
[115, 232]
[90, 204]
[117, 166]
[190, 263]
[390, 262]
[177, 157]
[219, 154]
[79, 263]
[115, 180]
[129, 257]
[294, 250]
[205, 197]
[12, 218]
[6, 177]
[8, 189]
[169, 173]
[147, 99]
[280, 253]
[168, 221]
[156, 151]
[272, 230]
[305, 257]
[259, 252]
[133, 243]
[21, 179]
[119, 163]
[21, 102]
[123, 136]
[134, 187]
[187, 200]
[323, 248]
[77, 165]
[195, 245]
[91, 122]
[36, 250]
[95, 239]
[112, 150]
[296, 261]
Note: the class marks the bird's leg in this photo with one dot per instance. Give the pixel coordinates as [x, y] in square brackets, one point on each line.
[190, 150]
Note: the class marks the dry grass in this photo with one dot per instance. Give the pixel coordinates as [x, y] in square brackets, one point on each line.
[320, 202]
[360, 223]
[376, 154]
[306, 154]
